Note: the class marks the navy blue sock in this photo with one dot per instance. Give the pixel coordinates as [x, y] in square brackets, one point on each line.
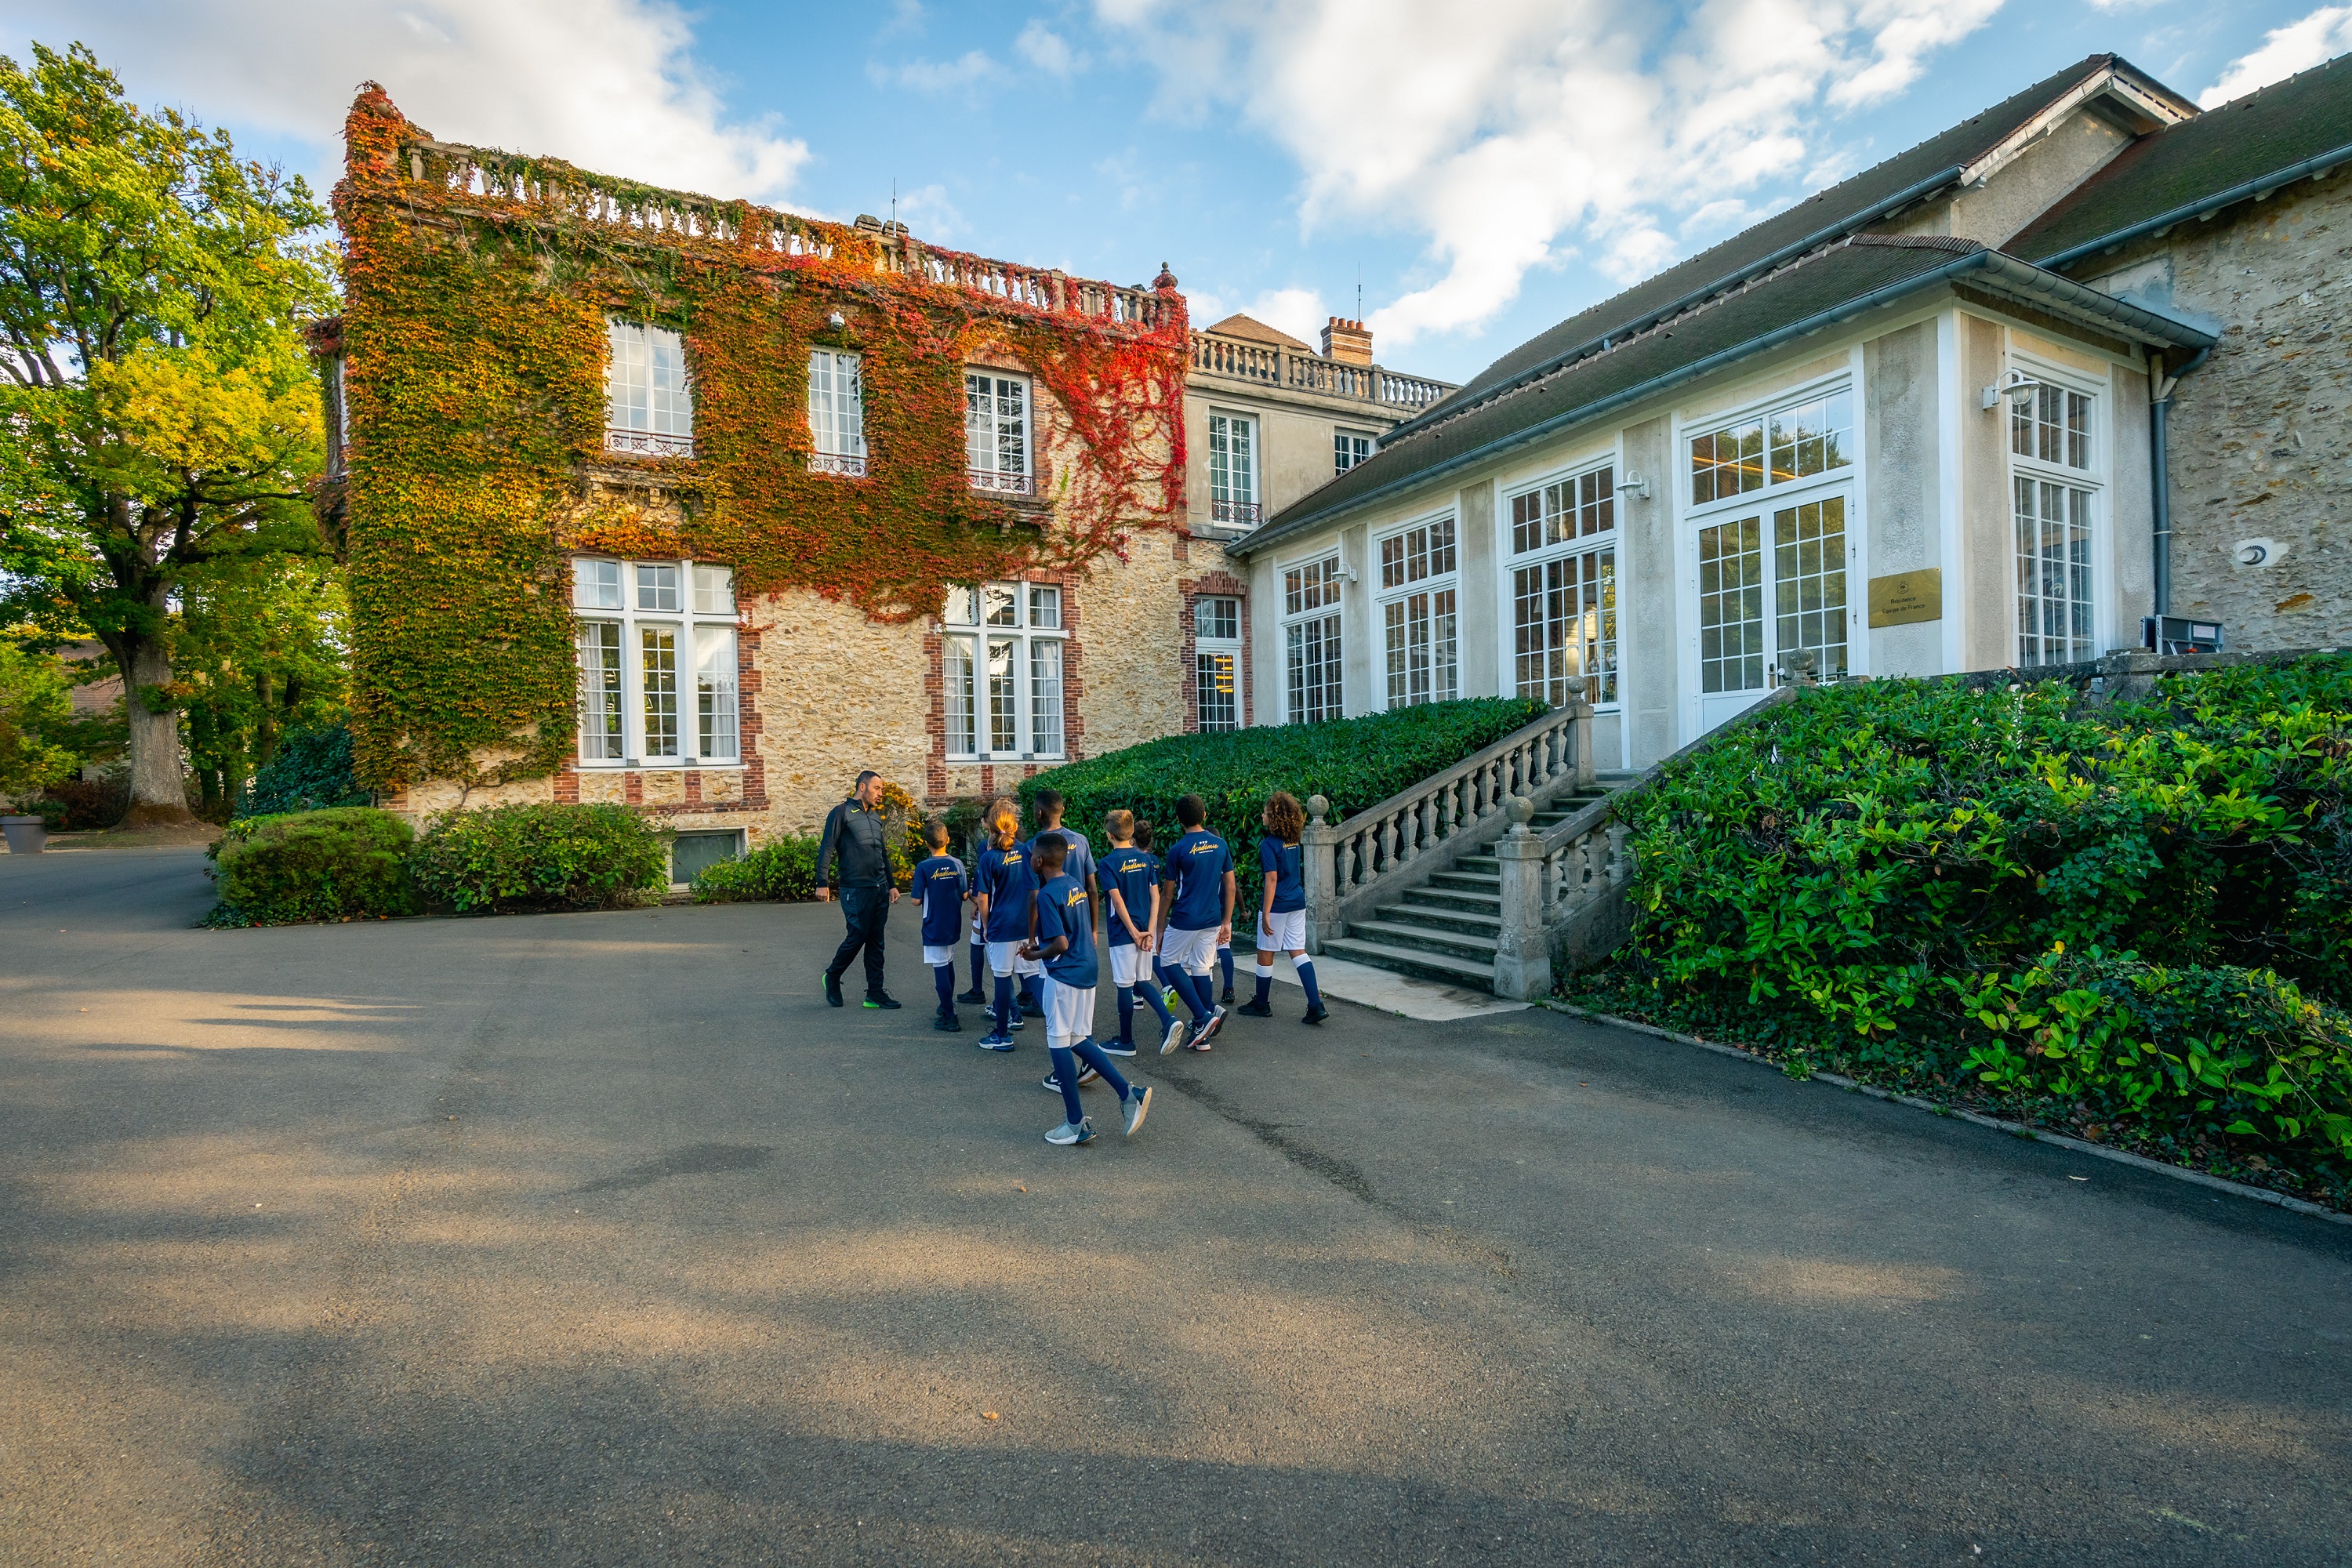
[1004, 1009]
[1264, 986]
[1092, 1055]
[1033, 995]
[1194, 990]
[1065, 1072]
[1306, 979]
[980, 966]
[1127, 1014]
[1226, 965]
[1148, 991]
[943, 974]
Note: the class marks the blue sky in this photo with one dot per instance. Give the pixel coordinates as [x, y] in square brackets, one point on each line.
[1489, 167]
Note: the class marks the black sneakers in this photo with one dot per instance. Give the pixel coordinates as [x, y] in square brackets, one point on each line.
[1316, 1013]
[880, 999]
[831, 988]
[947, 1024]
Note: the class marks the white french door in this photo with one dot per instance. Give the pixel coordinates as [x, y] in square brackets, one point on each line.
[1771, 582]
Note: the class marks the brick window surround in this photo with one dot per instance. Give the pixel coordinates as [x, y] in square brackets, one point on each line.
[1074, 692]
[753, 769]
[1216, 586]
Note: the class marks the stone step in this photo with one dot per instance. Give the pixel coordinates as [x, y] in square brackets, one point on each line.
[1469, 882]
[1490, 904]
[1477, 922]
[1425, 938]
[1416, 963]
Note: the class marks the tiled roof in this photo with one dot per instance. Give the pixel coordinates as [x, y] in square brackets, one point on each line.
[1255, 330]
[2181, 169]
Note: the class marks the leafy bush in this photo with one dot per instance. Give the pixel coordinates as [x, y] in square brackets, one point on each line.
[783, 869]
[1354, 763]
[310, 768]
[517, 858]
[88, 803]
[1865, 877]
[313, 866]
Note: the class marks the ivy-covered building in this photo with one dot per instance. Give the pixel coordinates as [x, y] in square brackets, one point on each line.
[702, 507]
[2077, 361]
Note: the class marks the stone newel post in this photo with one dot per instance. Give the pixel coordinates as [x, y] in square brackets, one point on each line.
[1319, 843]
[1522, 949]
[1587, 765]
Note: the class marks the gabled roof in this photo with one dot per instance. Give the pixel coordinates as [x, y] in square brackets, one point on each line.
[2246, 147]
[1944, 160]
[1255, 330]
[1856, 276]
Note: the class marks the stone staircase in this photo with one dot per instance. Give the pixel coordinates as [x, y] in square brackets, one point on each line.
[1445, 927]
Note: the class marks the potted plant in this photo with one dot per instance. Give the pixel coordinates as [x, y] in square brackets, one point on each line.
[25, 835]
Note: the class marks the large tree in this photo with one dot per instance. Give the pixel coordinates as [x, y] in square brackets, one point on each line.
[159, 414]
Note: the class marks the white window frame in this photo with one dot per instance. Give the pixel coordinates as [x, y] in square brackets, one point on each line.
[707, 694]
[996, 459]
[1217, 667]
[2090, 483]
[1598, 625]
[1340, 433]
[1326, 620]
[1422, 612]
[662, 424]
[1234, 492]
[1030, 710]
[1843, 482]
[836, 413]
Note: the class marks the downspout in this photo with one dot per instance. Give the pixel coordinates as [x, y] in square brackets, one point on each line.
[2160, 477]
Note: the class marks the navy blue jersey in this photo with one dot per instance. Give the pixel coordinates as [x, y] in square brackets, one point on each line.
[1197, 864]
[1062, 911]
[1288, 866]
[1132, 874]
[1006, 878]
[1078, 863]
[938, 882]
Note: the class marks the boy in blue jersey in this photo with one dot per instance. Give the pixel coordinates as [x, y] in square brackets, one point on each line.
[939, 885]
[1197, 917]
[1007, 886]
[1130, 891]
[1282, 908]
[1080, 865]
[1065, 942]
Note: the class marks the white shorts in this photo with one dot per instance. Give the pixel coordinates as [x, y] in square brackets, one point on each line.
[1069, 1013]
[1193, 952]
[1289, 930]
[1129, 964]
[934, 956]
[1001, 960]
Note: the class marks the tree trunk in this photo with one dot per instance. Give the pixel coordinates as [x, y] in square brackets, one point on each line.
[158, 796]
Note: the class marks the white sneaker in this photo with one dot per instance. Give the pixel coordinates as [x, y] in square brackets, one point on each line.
[1175, 1036]
[1138, 1106]
[1066, 1133]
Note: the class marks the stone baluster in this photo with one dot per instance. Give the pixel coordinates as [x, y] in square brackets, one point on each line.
[1621, 857]
[1522, 948]
[1581, 743]
[1321, 842]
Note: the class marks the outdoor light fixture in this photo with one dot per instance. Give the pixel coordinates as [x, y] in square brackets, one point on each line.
[838, 319]
[2015, 386]
[1635, 482]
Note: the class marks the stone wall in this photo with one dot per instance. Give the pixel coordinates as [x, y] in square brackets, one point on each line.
[2260, 436]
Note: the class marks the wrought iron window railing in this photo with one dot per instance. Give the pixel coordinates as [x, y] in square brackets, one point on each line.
[649, 444]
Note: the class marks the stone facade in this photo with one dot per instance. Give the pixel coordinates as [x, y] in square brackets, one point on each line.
[2261, 435]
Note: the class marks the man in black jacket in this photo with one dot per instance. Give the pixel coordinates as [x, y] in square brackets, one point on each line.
[858, 833]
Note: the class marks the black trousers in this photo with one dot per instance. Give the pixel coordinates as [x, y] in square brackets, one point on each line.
[866, 911]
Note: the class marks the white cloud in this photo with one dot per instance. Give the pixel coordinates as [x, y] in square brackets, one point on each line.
[2300, 44]
[1514, 132]
[1048, 50]
[964, 72]
[608, 84]
[927, 211]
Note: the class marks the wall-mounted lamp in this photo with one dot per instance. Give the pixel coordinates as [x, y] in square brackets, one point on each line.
[1635, 482]
[838, 319]
[2015, 386]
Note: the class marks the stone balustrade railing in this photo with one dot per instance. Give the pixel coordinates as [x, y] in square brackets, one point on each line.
[1353, 866]
[579, 199]
[1270, 365]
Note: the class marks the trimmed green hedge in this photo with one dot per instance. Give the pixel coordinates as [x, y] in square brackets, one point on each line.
[783, 869]
[313, 865]
[520, 858]
[1354, 763]
[1951, 886]
[310, 768]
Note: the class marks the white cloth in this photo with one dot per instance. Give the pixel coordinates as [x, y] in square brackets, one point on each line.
[934, 956]
[1002, 960]
[1128, 965]
[1069, 1013]
[1193, 952]
[1289, 930]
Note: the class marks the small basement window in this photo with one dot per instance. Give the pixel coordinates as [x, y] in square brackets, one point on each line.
[691, 854]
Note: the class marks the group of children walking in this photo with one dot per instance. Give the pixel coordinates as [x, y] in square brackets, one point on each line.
[1167, 923]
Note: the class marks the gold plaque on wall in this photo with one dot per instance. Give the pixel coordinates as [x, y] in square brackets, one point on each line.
[1908, 598]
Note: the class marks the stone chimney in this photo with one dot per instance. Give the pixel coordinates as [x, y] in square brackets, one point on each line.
[1348, 342]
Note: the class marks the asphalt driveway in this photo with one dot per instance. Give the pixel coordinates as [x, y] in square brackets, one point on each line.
[599, 1238]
